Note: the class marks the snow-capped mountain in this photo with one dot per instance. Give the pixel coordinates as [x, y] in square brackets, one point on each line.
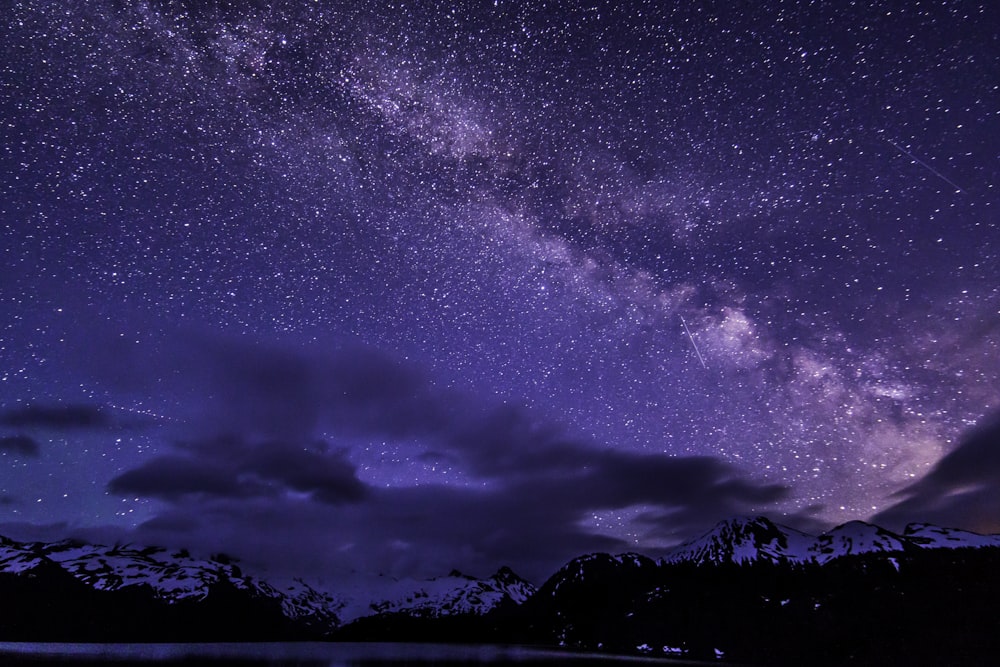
[857, 594]
[926, 536]
[174, 576]
[855, 537]
[746, 540]
[171, 576]
[133, 593]
[443, 596]
[16, 558]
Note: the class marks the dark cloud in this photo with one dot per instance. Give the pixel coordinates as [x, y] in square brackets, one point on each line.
[701, 486]
[61, 417]
[328, 477]
[19, 444]
[173, 477]
[539, 460]
[961, 491]
[234, 468]
[534, 524]
[528, 493]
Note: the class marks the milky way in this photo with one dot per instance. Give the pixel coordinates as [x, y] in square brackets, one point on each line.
[443, 284]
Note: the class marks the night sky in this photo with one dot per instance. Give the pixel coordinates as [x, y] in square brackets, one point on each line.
[337, 286]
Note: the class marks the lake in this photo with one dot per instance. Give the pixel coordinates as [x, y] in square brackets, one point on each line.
[305, 654]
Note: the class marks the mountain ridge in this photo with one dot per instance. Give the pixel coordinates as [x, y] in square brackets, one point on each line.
[725, 593]
[754, 592]
[750, 539]
[173, 577]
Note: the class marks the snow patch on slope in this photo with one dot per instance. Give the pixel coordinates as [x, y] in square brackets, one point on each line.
[442, 596]
[173, 577]
[758, 539]
[744, 541]
[856, 537]
[16, 558]
[926, 536]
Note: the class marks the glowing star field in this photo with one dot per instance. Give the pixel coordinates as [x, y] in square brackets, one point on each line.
[406, 287]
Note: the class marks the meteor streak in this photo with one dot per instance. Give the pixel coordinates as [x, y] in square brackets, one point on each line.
[926, 166]
[693, 344]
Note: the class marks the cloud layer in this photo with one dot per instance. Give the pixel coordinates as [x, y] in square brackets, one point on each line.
[262, 468]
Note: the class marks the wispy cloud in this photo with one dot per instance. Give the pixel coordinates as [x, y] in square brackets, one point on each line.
[61, 417]
[962, 490]
[19, 444]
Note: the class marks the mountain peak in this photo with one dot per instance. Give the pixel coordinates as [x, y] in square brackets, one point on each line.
[750, 539]
[746, 520]
[856, 537]
[929, 536]
[505, 575]
[743, 540]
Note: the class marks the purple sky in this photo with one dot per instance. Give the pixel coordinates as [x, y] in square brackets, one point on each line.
[339, 287]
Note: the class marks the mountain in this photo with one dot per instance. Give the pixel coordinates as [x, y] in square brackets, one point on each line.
[756, 592]
[745, 540]
[751, 540]
[68, 591]
[159, 582]
[161, 579]
[456, 608]
[595, 568]
[174, 576]
[15, 558]
[926, 536]
[856, 537]
[579, 598]
[455, 594]
[749, 591]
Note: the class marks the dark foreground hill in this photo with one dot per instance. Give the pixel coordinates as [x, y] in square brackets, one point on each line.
[926, 607]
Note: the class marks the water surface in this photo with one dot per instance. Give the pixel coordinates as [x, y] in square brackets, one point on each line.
[304, 654]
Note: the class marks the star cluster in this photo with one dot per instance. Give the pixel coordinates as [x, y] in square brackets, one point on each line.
[756, 241]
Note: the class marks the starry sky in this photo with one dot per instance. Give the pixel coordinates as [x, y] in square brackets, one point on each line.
[402, 287]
